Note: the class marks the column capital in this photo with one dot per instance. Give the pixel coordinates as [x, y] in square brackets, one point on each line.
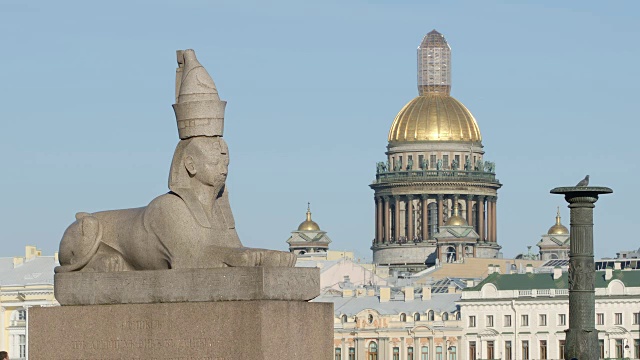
[492, 198]
[410, 197]
[481, 198]
[470, 197]
[424, 196]
[440, 196]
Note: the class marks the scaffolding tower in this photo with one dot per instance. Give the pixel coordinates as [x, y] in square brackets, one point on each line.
[434, 65]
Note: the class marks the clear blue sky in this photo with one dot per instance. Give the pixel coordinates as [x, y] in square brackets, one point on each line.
[312, 87]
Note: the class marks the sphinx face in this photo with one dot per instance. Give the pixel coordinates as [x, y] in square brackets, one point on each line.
[211, 160]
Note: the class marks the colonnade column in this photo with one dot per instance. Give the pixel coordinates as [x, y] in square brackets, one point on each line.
[387, 220]
[495, 219]
[425, 218]
[480, 214]
[440, 218]
[379, 236]
[489, 219]
[410, 224]
[396, 218]
[469, 210]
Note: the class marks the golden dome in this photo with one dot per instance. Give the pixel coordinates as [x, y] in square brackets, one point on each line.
[308, 225]
[434, 117]
[558, 228]
[456, 220]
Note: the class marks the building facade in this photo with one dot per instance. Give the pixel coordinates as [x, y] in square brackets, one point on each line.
[524, 316]
[554, 245]
[25, 282]
[434, 162]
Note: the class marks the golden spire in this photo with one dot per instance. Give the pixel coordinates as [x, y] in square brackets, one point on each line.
[309, 211]
[558, 217]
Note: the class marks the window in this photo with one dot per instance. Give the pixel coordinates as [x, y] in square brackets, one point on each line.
[636, 347]
[430, 315]
[472, 321]
[370, 319]
[472, 350]
[507, 321]
[618, 318]
[421, 161]
[410, 353]
[403, 317]
[601, 343]
[424, 353]
[491, 353]
[543, 349]
[22, 346]
[352, 353]
[400, 164]
[508, 354]
[343, 319]
[561, 346]
[433, 161]
[525, 350]
[543, 319]
[432, 212]
[373, 351]
[396, 353]
[452, 353]
[636, 318]
[599, 319]
[445, 316]
[445, 161]
[619, 354]
[338, 354]
[489, 320]
[524, 320]
[439, 353]
[22, 314]
[409, 160]
[416, 317]
[457, 157]
[562, 319]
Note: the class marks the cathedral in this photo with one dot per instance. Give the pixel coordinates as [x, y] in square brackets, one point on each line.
[435, 194]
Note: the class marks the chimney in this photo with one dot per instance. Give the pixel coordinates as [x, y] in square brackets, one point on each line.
[529, 269]
[426, 293]
[360, 292]
[408, 293]
[617, 266]
[30, 252]
[496, 269]
[371, 292]
[490, 269]
[470, 283]
[557, 273]
[17, 261]
[451, 289]
[608, 273]
[347, 293]
[385, 294]
[55, 257]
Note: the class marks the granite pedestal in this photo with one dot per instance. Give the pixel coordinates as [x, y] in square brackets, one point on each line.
[195, 330]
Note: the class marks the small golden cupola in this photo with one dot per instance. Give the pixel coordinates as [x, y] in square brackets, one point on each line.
[308, 224]
[456, 220]
[558, 228]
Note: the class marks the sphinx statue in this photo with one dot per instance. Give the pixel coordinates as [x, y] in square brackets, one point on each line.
[189, 227]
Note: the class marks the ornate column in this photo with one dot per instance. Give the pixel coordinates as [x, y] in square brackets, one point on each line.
[480, 214]
[425, 217]
[396, 219]
[582, 336]
[489, 219]
[379, 213]
[387, 220]
[410, 225]
[495, 219]
[440, 218]
[469, 210]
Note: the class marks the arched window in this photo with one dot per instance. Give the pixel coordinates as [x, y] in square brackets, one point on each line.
[403, 317]
[343, 319]
[416, 317]
[458, 317]
[370, 319]
[373, 351]
[450, 254]
[430, 315]
[445, 316]
[424, 353]
[432, 214]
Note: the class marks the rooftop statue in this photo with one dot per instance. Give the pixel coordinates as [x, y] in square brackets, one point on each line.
[189, 227]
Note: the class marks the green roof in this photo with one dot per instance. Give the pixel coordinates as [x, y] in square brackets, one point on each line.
[630, 278]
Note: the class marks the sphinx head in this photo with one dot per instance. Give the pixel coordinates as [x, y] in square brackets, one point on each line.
[201, 159]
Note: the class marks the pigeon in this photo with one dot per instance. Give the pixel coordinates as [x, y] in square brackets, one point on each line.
[584, 182]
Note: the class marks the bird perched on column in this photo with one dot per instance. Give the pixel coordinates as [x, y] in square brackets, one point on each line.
[584, 182]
